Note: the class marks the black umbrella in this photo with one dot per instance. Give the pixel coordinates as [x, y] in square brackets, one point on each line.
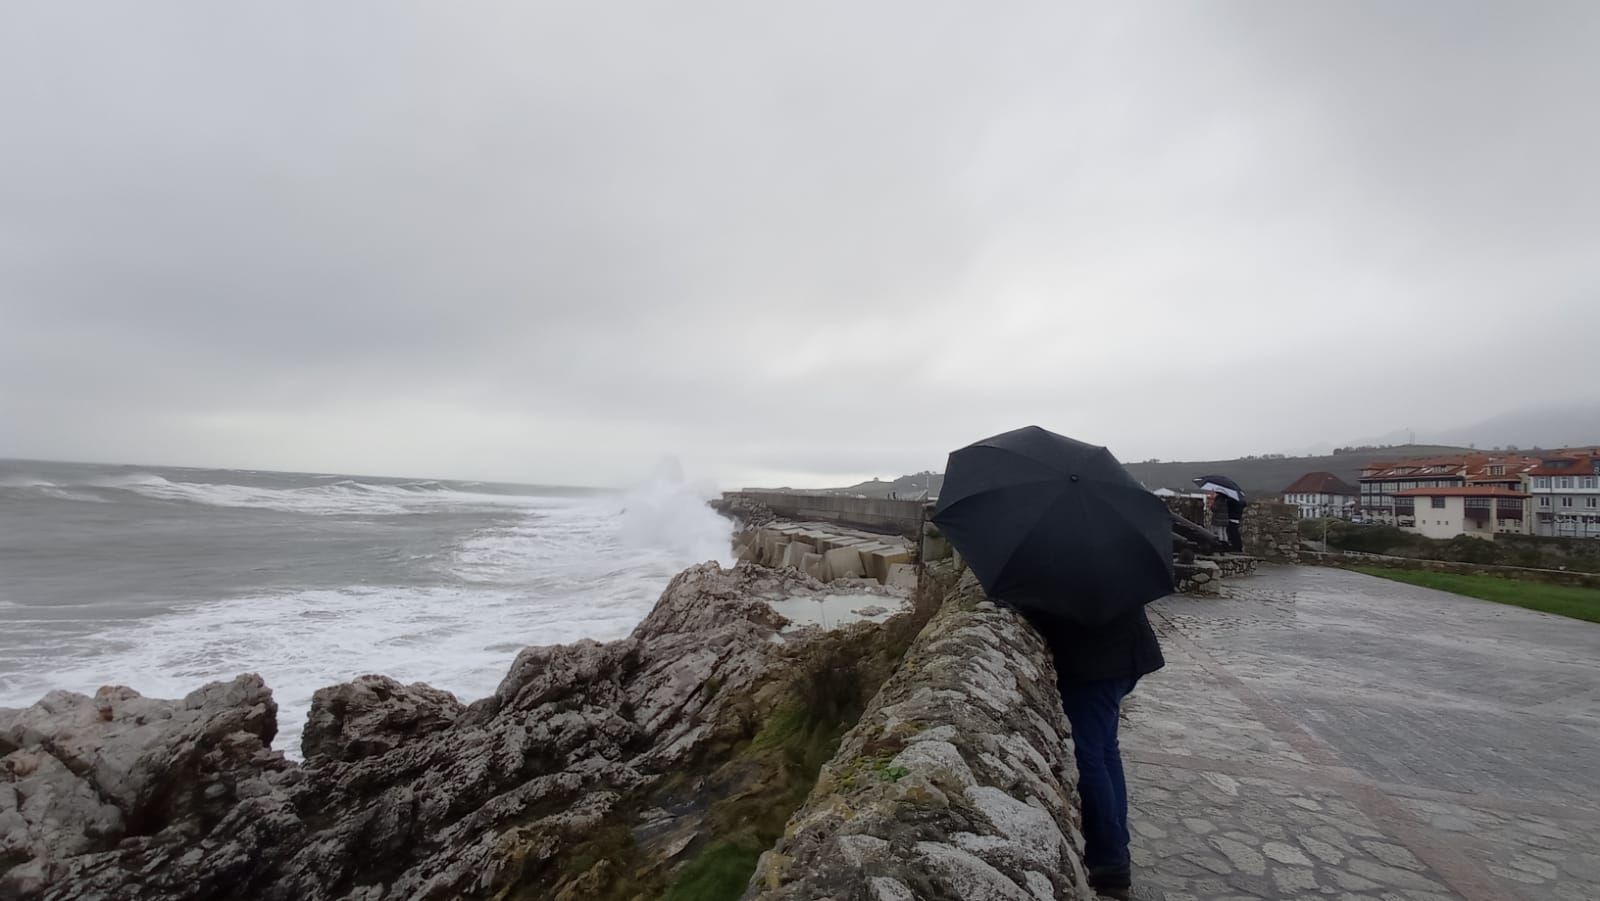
[1221, 485]
[1056, 526]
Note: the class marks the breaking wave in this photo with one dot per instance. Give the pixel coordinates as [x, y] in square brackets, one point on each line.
[340, 497]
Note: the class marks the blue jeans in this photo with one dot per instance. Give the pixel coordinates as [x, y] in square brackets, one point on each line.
[1092, 708]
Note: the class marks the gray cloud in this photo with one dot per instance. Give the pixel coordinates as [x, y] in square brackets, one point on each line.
[552, 243]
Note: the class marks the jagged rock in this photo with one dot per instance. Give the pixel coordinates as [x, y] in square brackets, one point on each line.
[373, 715]
[82, 772]
[958, 782]
[405, 794]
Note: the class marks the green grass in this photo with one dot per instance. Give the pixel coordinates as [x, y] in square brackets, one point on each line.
[720, 871]
[1564, 600]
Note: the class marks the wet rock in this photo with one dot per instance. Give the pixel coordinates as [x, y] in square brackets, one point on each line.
[373, 715]
[83, 772]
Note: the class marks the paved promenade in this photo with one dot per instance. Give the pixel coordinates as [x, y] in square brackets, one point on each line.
[1325, 734]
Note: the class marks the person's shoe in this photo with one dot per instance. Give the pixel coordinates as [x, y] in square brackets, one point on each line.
[1112, 882]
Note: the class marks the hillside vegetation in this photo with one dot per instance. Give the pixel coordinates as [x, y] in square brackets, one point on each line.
[1261, 476]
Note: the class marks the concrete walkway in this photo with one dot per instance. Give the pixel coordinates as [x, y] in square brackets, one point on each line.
[1320, 733]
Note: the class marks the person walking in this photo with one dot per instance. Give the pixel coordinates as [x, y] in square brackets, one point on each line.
[1096, 668]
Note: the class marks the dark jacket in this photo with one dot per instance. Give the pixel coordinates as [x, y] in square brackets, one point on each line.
[1125, 648]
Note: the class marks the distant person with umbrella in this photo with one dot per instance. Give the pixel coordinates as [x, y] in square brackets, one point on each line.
[1232, 495]
[1057, 529]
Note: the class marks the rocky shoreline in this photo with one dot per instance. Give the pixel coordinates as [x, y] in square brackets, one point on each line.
[661, 765]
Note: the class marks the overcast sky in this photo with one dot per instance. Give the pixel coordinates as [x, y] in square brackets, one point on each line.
[789, 244]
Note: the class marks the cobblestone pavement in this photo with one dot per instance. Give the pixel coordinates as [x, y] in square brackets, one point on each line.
[1325, 734]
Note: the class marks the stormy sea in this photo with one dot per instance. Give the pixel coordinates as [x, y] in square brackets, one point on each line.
[166, 578]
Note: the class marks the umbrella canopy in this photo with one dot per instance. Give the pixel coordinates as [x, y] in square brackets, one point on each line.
[1221, 485]
[1056, 526]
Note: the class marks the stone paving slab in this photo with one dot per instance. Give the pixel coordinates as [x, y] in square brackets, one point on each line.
[1325, 734]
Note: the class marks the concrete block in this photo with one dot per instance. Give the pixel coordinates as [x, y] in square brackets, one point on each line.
[815, 567]
[878, 559]
[746, 553]
[843, 563]
[772, 544]
[935, 548]
[794, 553]
[764, 546]
[902, 575]
[814, 536]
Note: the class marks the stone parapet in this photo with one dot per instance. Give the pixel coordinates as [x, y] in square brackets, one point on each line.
[1271, 531]
[958, 781]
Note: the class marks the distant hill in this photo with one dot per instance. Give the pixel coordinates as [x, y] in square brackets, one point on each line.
[1261, 476]
[1270, 474]
[910, 486]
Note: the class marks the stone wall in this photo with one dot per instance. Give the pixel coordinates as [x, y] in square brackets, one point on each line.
[1190, 508]
[957, 783]
[892, 517]
[1203, 575]
[1271, 531]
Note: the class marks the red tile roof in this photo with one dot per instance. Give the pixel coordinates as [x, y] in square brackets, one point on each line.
[1575, 465]
[1320, 483]
[1485, 491]
[1470, 467]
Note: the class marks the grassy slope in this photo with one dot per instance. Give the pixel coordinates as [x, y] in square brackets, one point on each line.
[1578, 603]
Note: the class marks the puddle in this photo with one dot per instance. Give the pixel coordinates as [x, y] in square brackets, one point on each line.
[833, 610]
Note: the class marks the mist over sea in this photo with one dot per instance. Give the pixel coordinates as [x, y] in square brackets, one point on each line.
[166, 578]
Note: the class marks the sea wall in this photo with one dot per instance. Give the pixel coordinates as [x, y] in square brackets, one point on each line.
[828, 552]
[891, 517]
[958, 781]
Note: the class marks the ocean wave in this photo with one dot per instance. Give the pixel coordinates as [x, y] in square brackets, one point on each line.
[659, 527]
[24, 482]
[341, 497]
[63, 494]
[43, 488]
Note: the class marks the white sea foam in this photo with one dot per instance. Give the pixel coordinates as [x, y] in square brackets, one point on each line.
[572, 568]
[339, 497]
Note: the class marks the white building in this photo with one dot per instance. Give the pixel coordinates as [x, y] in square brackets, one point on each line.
[1566, 496]
[1447, 512]
[1320, 494]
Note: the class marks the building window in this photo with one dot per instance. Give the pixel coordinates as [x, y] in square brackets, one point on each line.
[1544, 502]
[1588, 481]
[1541, 482]
[1566, 502]
[1438, 503]
[1591, 502]
[1564, 482]
[1497, 470]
